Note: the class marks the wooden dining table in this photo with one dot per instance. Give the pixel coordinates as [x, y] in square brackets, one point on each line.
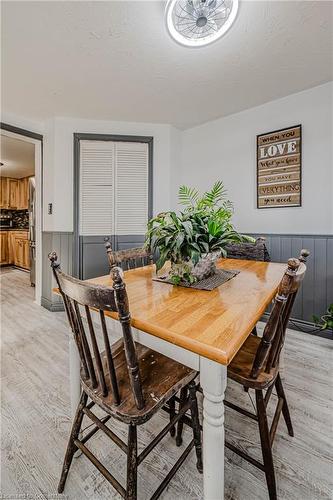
[201, 329]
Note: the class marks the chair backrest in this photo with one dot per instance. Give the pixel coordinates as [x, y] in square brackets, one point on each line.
[76, 293]
[268, 353]
[129, 258]
[249, 251]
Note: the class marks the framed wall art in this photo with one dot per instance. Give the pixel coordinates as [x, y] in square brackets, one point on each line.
[279, 168]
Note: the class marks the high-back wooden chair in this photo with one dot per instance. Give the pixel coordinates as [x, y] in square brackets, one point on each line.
[129, 258]
[127, 380]
[249, 251]
[256, 366]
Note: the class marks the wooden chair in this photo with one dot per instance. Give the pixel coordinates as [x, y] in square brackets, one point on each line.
[256, 366]
[127, 380]
[129, 258]
[249, 251]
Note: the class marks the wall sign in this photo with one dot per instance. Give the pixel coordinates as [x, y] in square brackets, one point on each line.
[279, 168]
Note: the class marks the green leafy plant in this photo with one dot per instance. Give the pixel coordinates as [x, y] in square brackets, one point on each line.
[204, 226]
[325, 322]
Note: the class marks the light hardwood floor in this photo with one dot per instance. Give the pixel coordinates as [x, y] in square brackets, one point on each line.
[35, 419]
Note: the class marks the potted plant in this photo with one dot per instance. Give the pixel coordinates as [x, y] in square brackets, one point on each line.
[193, 239]
[325, 322]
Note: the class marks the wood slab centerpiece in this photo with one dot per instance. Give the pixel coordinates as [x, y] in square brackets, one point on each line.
[195, 238]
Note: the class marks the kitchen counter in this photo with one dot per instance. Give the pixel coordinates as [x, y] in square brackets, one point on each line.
[14, 229]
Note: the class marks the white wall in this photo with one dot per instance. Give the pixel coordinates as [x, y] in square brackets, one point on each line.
[226, 149]
[58, 163]
[175, 163]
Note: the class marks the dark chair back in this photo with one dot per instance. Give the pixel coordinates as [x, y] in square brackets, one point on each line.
[76, 293]
[268, 353]
[130, 258]
[249, 251]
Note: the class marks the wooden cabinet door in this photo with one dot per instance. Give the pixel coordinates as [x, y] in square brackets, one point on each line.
[4, 248]
[4, 198]
[26, 254]
[18, 252]
[21, 255]
[13, 183]
[19, 194]
[11, 240]
[23, 193]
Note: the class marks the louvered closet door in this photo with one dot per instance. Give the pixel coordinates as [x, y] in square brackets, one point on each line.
[113, 200]
[131, 188]
[97, 168]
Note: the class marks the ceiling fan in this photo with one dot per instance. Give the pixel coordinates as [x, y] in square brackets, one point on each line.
[196, 23]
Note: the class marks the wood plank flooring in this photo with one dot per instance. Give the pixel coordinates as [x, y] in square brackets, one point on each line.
[35, 419]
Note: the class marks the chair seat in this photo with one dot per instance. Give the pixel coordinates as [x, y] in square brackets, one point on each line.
[241, 366]
[161, 378]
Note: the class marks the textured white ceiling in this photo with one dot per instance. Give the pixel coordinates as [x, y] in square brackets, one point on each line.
[17, 156]
[114, 60]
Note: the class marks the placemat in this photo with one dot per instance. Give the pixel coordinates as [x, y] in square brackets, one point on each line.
[221, 276]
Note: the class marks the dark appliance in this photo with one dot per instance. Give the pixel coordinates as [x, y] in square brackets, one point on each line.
[6, 221]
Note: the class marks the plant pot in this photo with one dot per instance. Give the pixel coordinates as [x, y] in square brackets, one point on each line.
[187, 272]
[206, 266]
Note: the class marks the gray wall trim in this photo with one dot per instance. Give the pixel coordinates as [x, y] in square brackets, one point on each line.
[62, 244]
[291, 235]
[317, 290]
[66, 233]
[21, 131]
[313, 298]
[53, 307]
[304, 326]
[78, 264]
[92, 250]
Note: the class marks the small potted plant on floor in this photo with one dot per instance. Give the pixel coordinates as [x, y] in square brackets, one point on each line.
[196, 237]
[325, 322]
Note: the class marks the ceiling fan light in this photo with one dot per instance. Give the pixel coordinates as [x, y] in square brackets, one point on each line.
[195, 23]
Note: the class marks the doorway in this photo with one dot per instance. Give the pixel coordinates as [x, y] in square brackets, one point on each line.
[21, 203]
[113, 194]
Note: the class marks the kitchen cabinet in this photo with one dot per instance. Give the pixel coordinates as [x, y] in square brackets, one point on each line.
[23, 193]
[14, 193]
[4, 200]
[4, 248]
[12, 187]
[21, 253]
[19, 249]
[14, 248]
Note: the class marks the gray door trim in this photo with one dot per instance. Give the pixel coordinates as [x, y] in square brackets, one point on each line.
[21, 131]
[77, 247]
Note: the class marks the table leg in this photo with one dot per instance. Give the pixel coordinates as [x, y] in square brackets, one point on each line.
[213, 380]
